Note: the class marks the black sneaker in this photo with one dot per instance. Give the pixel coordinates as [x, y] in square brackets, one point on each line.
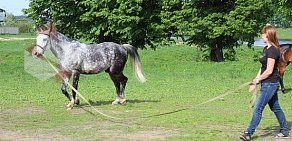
[245, 137]
[281, 135]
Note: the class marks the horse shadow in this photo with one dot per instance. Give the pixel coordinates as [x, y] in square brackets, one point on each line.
[109, 102]
[271, 131]
[288, 91]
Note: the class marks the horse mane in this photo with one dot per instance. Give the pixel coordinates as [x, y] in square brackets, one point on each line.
[62, 38]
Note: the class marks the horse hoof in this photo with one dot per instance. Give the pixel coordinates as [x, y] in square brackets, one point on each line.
[70, 108]
[123, 101]
[284, 91]
[77, 102]
[70, 104]
[119, 101]
[115, 102]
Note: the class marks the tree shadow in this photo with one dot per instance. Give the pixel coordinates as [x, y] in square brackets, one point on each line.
[109, 102]
[272, 131]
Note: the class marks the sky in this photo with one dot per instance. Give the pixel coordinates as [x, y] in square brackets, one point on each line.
[14, 6]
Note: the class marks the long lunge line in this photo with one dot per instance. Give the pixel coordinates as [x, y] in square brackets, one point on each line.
[229, 92]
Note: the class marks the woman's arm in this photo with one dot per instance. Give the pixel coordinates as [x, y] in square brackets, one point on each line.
[259, 73]
[267, 72]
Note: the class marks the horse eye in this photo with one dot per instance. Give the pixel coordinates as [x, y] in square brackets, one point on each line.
[44, 39]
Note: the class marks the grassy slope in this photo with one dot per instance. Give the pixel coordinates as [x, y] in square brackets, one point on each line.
[22, 35]
[175, 80]
[285, 33]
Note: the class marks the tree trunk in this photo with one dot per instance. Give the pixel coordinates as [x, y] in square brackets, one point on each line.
[216, 53]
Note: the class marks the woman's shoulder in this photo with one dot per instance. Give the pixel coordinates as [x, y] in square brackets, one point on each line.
[273, 51]
[272, 48]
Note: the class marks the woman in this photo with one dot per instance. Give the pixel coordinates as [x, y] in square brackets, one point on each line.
[268, 76]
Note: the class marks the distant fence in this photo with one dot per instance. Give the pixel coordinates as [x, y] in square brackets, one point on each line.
[9, 30]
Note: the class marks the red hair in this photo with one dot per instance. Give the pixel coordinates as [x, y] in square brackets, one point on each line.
[271, 34]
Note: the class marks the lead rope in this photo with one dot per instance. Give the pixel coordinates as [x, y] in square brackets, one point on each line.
[79, 94]
[229, 92]
[253, 97]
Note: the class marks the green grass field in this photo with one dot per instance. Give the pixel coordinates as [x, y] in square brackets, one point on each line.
[35, 110]
[284, 33]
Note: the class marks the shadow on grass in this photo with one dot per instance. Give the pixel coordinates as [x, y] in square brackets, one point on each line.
[271, 131]
[287, 91]
[99, 103]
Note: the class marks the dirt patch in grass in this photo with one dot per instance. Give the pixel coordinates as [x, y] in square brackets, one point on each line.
[15, 39]
[22, 111]
[32, 135]
[155, 134]
[108, 130]
[25, 134]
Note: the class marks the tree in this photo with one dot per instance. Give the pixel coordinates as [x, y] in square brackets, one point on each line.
[25, 26]
[215, 25]
[136, 22]
[282, 13]
[10, 21]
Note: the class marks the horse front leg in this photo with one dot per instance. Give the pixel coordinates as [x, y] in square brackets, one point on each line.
[282, 86]
[75, 85]
[65, 92]
[281, 68]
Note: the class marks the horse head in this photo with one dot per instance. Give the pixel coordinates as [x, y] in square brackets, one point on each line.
[43, 40]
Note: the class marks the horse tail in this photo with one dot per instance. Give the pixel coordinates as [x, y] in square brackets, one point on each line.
[136, 62]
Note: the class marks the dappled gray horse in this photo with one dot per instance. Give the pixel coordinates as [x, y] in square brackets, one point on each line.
[77, 58]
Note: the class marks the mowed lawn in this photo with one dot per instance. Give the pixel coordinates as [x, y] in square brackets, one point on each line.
[31, 109]
[284, 33]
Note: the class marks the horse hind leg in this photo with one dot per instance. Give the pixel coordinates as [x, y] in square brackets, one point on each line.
[120, 83]
[123, 84]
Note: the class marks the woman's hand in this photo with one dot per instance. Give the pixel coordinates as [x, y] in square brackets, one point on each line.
[256, 81]
[251, 87]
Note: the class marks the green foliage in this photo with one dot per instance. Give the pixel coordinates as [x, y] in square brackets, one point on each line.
[23, 25]
[213, 24]
[282, 14]
[10, 21]
[216, 24]
[135, 22]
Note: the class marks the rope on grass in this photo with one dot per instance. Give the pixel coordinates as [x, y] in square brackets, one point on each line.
[229, 92]
[79, 94]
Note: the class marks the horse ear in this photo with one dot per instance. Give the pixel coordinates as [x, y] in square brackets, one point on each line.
[42, 28]
[53, 29]
[53, 26]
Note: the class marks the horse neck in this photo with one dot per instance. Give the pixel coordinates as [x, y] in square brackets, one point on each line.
[60, 45]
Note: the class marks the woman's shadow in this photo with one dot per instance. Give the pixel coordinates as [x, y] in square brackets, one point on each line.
[272, 131]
